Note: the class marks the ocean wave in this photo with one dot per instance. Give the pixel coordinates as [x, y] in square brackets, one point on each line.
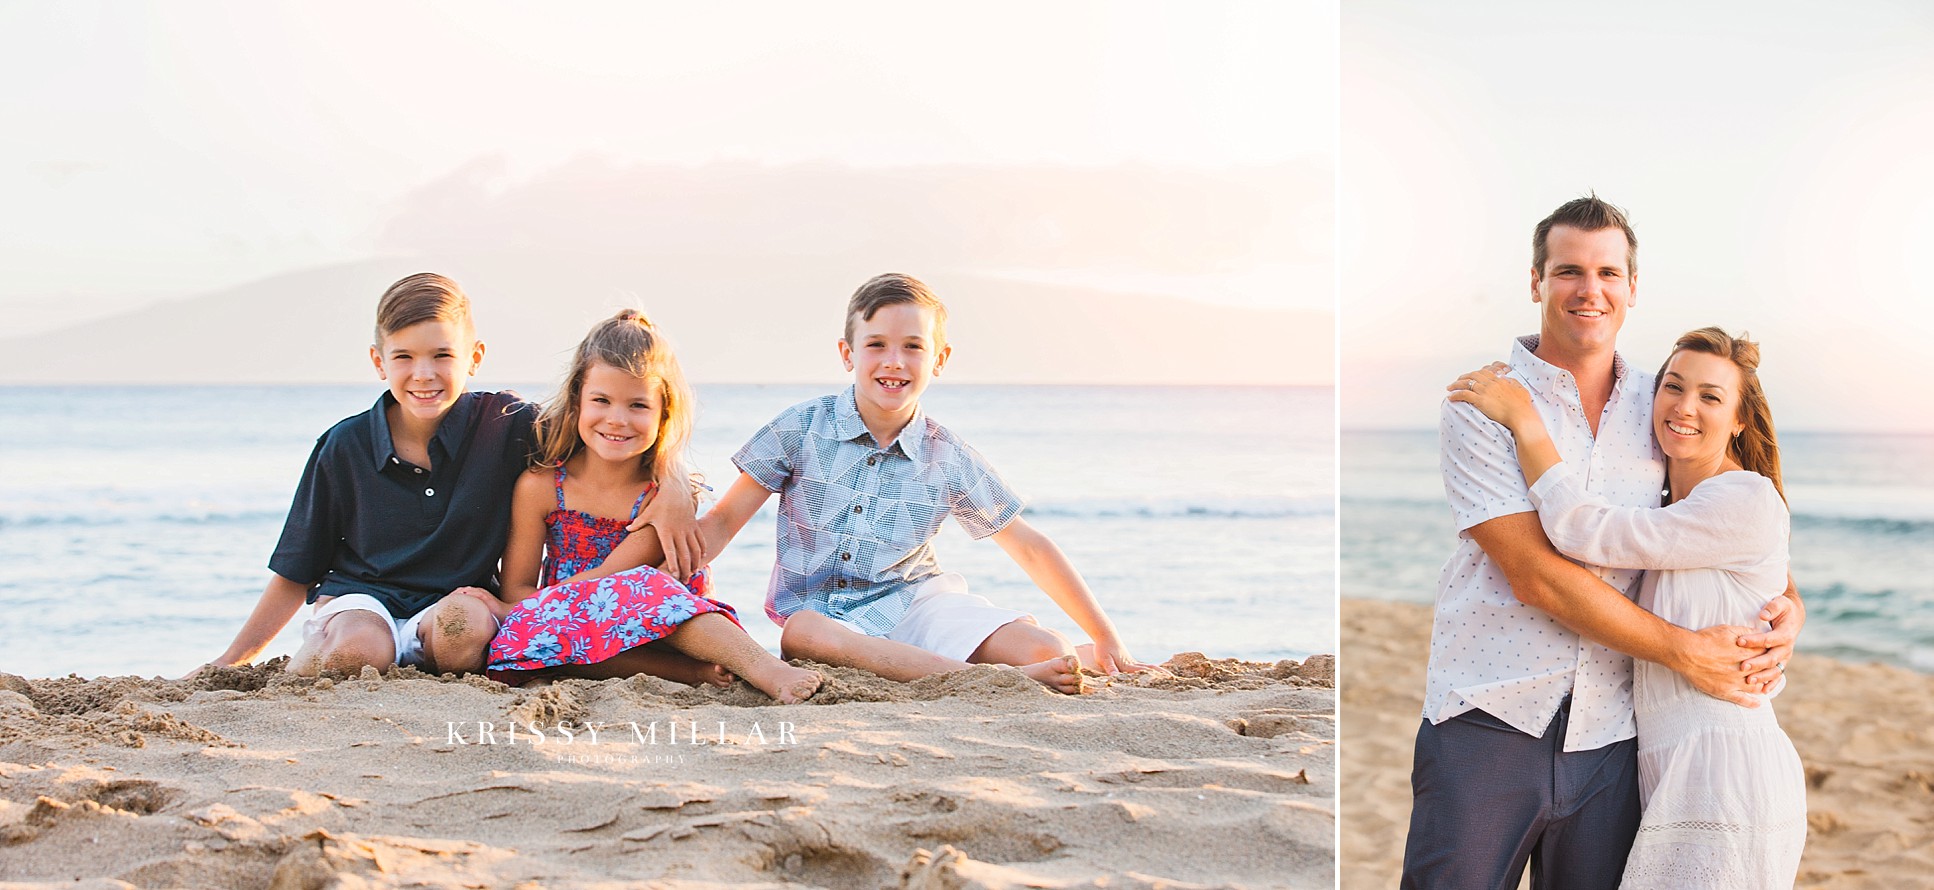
[1891, 518]
[1883, 526]
[32, 519]
[18, 519]
[1248, 508]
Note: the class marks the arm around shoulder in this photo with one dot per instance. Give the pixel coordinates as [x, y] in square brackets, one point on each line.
[1724, 522]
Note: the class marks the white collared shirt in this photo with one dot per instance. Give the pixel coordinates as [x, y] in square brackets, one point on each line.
[1487, 649]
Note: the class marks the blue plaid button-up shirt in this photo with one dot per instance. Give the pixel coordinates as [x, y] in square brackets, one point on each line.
[857, 521]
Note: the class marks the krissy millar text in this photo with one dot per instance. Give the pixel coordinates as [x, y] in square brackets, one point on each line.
[667, 733]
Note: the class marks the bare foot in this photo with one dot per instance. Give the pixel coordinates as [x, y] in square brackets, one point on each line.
[1061, 674]
[692, 672]
[786, 684]
[711, 675]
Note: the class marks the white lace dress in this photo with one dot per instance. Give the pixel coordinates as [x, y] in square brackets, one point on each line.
[1722, 790]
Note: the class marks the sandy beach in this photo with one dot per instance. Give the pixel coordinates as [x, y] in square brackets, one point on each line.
[1220, 775]
[1864, 731]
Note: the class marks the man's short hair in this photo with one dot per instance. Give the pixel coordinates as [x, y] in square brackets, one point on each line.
[1586, 214]
[891, 289]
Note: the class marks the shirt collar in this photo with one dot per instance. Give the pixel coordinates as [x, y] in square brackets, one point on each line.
[383, 447]
[1543, 376]
[851, 427]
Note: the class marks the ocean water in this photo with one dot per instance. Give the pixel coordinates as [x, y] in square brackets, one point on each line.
[136, 522]
[1863, 534]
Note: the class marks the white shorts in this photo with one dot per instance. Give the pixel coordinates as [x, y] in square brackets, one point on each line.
[947, 620]
[409, 649]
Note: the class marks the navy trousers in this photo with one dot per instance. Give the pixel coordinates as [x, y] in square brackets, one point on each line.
[1487, 799]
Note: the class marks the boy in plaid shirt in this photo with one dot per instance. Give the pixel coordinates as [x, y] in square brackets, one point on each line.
[865, 480]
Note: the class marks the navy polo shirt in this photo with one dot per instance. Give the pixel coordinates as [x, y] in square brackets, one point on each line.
[366, 521]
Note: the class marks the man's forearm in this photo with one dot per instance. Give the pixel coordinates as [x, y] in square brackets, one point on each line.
[1710, 658]
[1589, 607]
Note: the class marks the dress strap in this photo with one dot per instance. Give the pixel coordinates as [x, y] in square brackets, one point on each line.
[639, 504]
[560, 486]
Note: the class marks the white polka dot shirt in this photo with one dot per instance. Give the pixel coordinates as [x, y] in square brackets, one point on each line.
[1487, 649]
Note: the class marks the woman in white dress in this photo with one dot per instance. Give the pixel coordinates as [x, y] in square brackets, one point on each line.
[1722, 790]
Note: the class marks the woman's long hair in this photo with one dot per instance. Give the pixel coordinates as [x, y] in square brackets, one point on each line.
[1757, 447]
[629, 342]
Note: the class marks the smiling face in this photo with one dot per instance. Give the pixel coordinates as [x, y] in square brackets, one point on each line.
[1583, 290]
[893, 356]
[1695, 411]
[428, 365]
[619, 415]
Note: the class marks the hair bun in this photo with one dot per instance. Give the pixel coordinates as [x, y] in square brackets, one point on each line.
[636, 315]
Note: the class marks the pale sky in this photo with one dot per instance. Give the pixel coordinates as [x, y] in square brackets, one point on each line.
[161, 151]
[1773, 157]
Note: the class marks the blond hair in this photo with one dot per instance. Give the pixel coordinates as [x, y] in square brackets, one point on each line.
[630, 343]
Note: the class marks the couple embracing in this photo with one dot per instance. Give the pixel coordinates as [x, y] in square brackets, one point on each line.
[1618, 613]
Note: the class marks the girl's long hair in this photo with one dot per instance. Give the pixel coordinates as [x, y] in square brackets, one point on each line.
[1757, 447]
[629, 342]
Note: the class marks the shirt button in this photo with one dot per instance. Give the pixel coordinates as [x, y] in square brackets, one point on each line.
[846, 556]
[841, 583]
[419, 471]
[874, 459]
[394, 461]
[429, 492]
[857, 508]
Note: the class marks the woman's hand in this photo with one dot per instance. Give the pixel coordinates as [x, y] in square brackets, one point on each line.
[1497, 396]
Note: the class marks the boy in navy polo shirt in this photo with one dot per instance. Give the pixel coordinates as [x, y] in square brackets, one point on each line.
[864, 480]
[406, 505]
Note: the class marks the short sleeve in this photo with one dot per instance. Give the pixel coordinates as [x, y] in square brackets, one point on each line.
[523, 429]
[984, 503]
[1482, 480]
[767, 457]
[1728, 521]
[312, 530]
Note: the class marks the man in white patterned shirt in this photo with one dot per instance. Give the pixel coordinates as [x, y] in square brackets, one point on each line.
[1527, 751]
[865, 480]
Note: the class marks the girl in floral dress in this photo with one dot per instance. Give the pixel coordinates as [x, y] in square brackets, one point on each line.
[617, 426]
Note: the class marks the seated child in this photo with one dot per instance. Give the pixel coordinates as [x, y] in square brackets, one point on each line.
[617, 427]
[864, 481]
[406, 503]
